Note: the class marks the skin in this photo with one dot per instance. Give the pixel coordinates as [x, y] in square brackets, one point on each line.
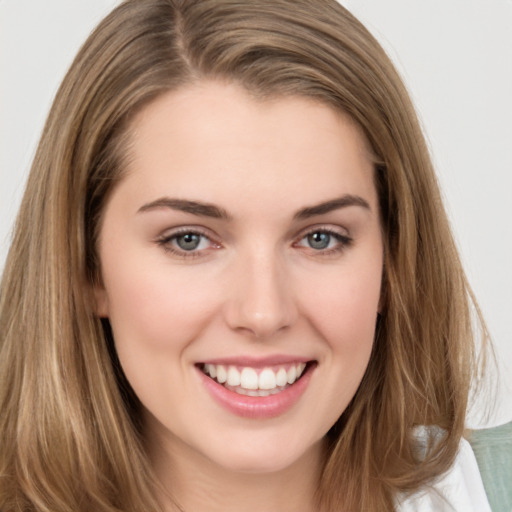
[254, 286]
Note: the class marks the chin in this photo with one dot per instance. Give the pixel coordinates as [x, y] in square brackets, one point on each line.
[264, 456]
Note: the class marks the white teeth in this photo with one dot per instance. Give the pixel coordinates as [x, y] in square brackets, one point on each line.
[222, 375]
[281, 377]
[292, 374]
[233, 376]
[249, 379]
[248, 382]
[211, 369]
[267, 379]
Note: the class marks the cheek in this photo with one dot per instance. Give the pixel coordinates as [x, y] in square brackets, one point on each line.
[344, 309]
[348, 329]
[155, 315]
[153, 307]
[344, 314]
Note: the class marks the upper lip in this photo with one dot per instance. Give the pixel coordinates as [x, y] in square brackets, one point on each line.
[258, 362]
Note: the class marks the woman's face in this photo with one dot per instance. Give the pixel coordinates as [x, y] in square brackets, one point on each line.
[242, 249]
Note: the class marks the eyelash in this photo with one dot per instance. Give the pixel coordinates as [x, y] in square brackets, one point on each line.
[165, 242]
[344, 241]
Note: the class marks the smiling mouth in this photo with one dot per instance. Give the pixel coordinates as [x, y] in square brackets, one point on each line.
[256, 382]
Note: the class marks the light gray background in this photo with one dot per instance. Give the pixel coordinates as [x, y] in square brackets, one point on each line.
[455, 56]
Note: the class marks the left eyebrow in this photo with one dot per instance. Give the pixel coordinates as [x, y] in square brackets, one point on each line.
[329, 206]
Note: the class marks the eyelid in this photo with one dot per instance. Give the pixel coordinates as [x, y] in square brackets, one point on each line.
[341, 234]
[164, 240]
[327, 228]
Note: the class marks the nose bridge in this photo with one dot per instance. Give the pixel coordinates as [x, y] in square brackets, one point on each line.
[261, 301]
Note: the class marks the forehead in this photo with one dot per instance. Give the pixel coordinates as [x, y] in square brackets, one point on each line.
[215, 138]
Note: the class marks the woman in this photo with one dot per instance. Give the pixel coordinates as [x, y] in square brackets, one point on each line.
[232, 283]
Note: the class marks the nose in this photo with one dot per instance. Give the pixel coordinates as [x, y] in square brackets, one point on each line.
[261, 301]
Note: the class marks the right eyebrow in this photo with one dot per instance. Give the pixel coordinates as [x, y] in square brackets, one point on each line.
[194, 207]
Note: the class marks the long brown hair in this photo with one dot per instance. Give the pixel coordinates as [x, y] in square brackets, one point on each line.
[69, 423]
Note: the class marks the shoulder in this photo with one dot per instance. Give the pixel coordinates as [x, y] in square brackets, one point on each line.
[459, 490]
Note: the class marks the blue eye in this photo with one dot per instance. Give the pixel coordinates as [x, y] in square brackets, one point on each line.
[324, 241]
[319, 240]
[188, 241]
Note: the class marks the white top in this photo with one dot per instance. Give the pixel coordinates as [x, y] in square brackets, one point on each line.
[459, 490]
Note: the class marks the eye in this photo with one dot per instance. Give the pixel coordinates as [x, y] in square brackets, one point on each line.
[324, 241]
[187, 243]
[319, 240]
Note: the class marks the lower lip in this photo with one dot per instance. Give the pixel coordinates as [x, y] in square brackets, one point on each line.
[258, 407]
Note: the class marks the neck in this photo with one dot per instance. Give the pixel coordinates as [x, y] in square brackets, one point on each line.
[193, 483]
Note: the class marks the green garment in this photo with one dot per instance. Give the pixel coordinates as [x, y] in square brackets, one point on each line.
[493, 452]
